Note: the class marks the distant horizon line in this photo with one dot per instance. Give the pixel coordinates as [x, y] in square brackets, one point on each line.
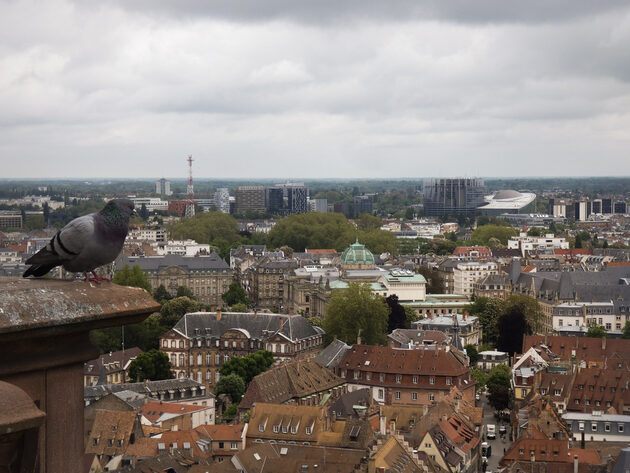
[5, 179]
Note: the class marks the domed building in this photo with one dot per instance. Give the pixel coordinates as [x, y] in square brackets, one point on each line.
[357, 256]
[509, 202]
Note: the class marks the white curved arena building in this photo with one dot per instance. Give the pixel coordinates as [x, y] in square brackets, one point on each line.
[508, 201]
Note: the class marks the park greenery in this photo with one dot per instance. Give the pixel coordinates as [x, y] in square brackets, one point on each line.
[596, 331]
[133, 277]
[357, 312]
[330, 230]
[152, 365]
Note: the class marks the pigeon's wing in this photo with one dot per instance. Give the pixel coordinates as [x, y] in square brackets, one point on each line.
[68, 243]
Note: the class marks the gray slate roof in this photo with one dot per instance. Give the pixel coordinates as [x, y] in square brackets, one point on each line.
[622, 465]
[213, 262]
[259, 326]
[332, 354]
[149, 387]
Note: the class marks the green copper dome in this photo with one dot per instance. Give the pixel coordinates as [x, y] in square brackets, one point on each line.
[357, 254]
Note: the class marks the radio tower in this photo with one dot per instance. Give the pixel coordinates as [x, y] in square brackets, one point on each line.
[190, 205]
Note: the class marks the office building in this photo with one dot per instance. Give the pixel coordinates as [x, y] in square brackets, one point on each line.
[274, 200]
[222, 200]
[250, 199]
[621, 207]
[582, 210]
[163, 187]
[607, 206]
[453, 196]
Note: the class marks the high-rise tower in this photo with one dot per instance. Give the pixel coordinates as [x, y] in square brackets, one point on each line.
[190, 204]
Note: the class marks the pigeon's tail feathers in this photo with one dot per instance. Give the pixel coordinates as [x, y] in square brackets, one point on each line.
[38, 270]
[44, 256]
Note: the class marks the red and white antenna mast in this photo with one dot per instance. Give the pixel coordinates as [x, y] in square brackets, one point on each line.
[190, 204]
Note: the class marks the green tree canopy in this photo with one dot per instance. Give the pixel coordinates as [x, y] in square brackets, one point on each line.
[183, 291]
[596, 331]
[367, 222]
[173, 310]
[397, 315]
[435, 285]
[626, 331]
[161, 295]
[499, 386]
[488, 311]
[133, 277]
[232, 385]
[482, 235]
[238, 307]
[248, 366]
[480, 376]
[152, 365]
[471, 351]
[356, 309]
[521, 315]
[235, 294]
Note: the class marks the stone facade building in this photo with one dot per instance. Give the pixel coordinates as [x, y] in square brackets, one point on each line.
[208, 277]
[199, 344]
[266, 278]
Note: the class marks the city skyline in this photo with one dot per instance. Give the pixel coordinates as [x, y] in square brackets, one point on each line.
[355, 90]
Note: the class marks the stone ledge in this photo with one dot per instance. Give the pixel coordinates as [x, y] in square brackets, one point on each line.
[40, 307]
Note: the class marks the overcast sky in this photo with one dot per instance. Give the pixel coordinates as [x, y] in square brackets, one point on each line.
[293, 89]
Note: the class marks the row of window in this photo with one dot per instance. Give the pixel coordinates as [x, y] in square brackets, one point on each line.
[607, 427]
[397, 395]
[285, 429]
[381, 377]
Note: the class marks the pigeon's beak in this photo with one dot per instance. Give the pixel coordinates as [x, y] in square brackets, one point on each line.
[133, 212]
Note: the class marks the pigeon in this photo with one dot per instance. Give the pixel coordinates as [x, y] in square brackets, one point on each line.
[86, 243]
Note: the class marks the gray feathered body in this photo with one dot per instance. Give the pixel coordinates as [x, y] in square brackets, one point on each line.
[86, 242]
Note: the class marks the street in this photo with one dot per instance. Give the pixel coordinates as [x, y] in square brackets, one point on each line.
[497, 444]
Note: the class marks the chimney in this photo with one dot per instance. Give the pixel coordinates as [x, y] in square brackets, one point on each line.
[358, 339]
[575, 464]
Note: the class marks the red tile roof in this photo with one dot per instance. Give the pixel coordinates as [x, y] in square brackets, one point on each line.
[227, 433]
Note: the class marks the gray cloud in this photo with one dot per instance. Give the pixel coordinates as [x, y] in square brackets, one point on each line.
[313, 88]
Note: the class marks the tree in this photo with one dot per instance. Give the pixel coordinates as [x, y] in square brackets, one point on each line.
[152, 365]
[471, 351]
[578, 241]
[367, 222]
[232, 385]
[133, 277]
[173, 310]
[235, 294]
[183, 291]
[597, 331]
[483, 234]
[488, 310]
[626, 331]
[435, 285]
[161, 295]
[239, 307]
[534, 231]
[249, 366]
[229, 414]
[411, 314]
[355, 310]
[480, 376]
[143, 212]
[499, 386]
[521, 315]
[397, 316]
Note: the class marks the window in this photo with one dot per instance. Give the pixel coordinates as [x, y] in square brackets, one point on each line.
[397, 395]
[431, 380]
[414, 380]
[594, 426]
[285, 429]
[120, 443]
[448, 381]
[431, 397]
[261, 427]
[414, 396]
[356, 374]
[309, 430]
[293, 429]
[110, 442]
[233, 446]
[398, 378]
[581, 426]
[381, 377]
[607, 427]
[368, 376]
[276, 429]
[95, 442]
[380, 394]
[556, 392]
[620, 428]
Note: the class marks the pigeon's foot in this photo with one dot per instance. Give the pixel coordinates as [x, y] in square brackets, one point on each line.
[95, 278]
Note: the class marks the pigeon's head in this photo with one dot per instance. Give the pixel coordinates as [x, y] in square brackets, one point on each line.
[119, 207]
